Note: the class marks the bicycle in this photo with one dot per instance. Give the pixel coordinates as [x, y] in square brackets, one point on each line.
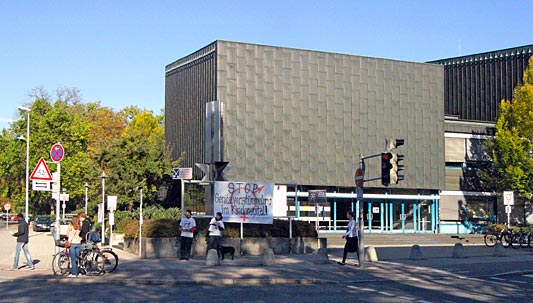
[110, 257]
[504, 237]
[90, 262]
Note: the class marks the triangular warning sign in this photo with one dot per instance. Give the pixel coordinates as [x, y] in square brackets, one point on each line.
[41, 171]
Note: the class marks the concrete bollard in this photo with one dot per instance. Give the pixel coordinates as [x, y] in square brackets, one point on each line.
[416, 253]
[212, 258]
[322, 256]
[370, 254]
[458, 251]
[499, 250]
[269, 258]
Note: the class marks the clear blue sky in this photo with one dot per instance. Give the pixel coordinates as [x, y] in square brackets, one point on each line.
[116, 51]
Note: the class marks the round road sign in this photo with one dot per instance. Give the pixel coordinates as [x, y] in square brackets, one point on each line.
[57, 152]
[359, 177]
[7, 206]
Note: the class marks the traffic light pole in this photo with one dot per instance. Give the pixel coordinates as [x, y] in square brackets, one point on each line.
[361, 225]
[360, 219]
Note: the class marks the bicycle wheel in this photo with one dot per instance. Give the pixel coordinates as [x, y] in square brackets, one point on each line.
[529, 240]
[524, 241]
[110, 260]
[514, 240]
[61, 264]
[490, 240]
[93, 263]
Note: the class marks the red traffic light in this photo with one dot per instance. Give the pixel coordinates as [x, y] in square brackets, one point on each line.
[386, 156]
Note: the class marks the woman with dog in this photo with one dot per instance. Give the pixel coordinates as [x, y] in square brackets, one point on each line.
[352, 245]
[216, 226]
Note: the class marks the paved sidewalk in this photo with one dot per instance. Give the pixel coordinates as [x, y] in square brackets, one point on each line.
[393, 263]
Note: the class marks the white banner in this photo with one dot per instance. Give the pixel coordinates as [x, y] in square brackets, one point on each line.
[247, 202]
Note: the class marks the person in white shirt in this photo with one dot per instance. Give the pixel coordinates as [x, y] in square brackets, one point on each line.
[352, 244]
[187, 228]
[216, 226]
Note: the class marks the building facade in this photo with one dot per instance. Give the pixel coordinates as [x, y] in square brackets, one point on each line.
[305, 118]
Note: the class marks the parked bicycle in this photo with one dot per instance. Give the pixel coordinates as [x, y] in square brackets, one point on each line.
[522, 239]
[91, 261]
[504, 236]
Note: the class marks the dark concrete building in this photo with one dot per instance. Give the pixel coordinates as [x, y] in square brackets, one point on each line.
[292, 116]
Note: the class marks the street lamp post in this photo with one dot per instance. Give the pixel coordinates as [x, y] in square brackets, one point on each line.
[27, 110]
[86, 188]
[103, 176]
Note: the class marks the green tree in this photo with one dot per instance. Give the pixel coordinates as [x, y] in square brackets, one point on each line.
[138, 158]
[512, 146]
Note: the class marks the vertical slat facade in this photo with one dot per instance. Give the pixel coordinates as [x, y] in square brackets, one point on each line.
[189, 84]
[476, 84]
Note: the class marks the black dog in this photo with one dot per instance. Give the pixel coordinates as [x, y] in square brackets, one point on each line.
[223, 250]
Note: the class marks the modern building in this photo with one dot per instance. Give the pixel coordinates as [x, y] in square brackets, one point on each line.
[305, 118]
[474, 87]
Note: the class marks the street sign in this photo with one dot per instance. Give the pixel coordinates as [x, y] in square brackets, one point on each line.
[508, 209]
[111, 203]
[57, 152]
[359, 177]
[182, 173]
[508, 198]
[41, 185]
[7, 206]
[41, 172]
[317, 196]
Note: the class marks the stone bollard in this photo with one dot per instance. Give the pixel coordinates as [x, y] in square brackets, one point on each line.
[269, 258]
[370, 254]
[458, 251]
[322, 256]
[416, 253]
[499, 250]
[212, 258]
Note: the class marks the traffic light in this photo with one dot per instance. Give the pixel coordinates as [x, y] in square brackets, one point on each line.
[395, 177]
[394, 143]
[386, 167]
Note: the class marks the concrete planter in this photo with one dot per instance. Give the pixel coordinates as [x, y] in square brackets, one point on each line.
[154, 248]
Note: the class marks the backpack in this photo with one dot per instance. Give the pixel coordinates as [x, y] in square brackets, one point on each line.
[94, 237]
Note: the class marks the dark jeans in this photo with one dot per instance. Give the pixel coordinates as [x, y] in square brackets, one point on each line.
[185, 247]
[351, 246]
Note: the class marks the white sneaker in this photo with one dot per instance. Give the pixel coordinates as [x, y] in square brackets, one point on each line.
[72, 276]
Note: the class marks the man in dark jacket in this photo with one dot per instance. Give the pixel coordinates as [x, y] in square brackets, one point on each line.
[22, 242]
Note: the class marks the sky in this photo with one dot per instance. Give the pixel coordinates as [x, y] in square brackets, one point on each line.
[115, 51]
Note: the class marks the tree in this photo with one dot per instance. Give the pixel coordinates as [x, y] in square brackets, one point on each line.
[128, 145]
[512, 146]
[137, 159]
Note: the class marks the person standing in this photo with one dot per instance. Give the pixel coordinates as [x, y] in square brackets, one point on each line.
[216, 226]
[85, 227]
[187, 228]
[73, 234]
[22, 235]
[351, 245]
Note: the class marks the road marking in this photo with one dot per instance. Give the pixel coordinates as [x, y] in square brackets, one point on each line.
[497, 279]
[406, 298]
[423, 301]
[388, 294]
[528, 276]
[519, 282]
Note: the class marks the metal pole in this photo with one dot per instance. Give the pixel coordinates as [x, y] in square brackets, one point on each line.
[140, 222]
[361, 250]
[103, 207]
[27, 166]
[86, 188]
[58, 195]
